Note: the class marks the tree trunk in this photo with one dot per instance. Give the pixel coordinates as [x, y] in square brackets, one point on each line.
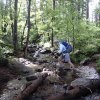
[31, 88]
[78, 8]
[15, 41]
[11, 18]
[22, 37]
[73, 18]
[73, 38]
[87, 10]
[96, 19]
[82, 8]
[52, 35]
[29, 26]
[99, 20]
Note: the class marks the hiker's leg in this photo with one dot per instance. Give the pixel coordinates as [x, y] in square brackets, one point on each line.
[67, 59]
[71, 64]
[60, 61]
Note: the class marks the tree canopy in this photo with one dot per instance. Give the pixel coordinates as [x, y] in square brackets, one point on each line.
[40, 21]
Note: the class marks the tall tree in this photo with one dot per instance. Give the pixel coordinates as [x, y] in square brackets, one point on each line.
[22, 36]
[53, 18]
[87, 10]
[78, 8]
[15, 40]
[11, 17]
[96, 19]
[29, 26]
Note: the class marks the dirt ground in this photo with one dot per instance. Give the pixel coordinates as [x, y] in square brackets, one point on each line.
[5, 75]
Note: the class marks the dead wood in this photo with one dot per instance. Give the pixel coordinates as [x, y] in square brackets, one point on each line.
[31, 88]
[78, 91]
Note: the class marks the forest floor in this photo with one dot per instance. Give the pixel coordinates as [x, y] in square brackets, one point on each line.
[7, 74]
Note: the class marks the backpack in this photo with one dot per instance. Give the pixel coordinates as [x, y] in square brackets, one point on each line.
[69, 48]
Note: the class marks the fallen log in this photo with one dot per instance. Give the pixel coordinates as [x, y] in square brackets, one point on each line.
[31, 88]
[31, 78]
[78, 91]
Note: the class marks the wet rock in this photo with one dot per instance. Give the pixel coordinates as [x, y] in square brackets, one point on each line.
[31, 58]
[94, 96]
[23, 66]
[36, 53]
[45, 51]
[58, 88]
[40, 61]
[31, 48]
[14, 87]
[80, 82]
[87, 72]
[53, 78]
[16, 84]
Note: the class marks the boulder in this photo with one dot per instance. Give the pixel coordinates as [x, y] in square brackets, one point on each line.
[87, 72]
[23, 66]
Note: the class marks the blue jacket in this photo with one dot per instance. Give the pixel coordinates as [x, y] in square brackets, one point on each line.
[62, 48]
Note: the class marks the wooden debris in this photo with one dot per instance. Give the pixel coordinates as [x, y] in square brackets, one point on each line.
[31, 78]
[31, 88]
[78, 91]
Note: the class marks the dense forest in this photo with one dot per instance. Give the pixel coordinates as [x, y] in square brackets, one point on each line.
[34, 21]
[27, 25]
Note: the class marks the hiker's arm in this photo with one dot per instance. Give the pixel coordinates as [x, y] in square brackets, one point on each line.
[60, 48]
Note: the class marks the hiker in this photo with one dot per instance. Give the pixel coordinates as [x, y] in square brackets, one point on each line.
[64, 52]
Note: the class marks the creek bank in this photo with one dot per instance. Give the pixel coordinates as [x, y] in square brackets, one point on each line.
[54, 83]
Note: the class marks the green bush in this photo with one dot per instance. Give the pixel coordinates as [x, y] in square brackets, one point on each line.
[98, 65]
[76, 58]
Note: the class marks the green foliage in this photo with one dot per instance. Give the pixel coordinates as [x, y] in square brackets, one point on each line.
[76, 58]
[88, 40]
[34, 38]
[98, 65]
[4, 51]
[67, 21]
[1, 53]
